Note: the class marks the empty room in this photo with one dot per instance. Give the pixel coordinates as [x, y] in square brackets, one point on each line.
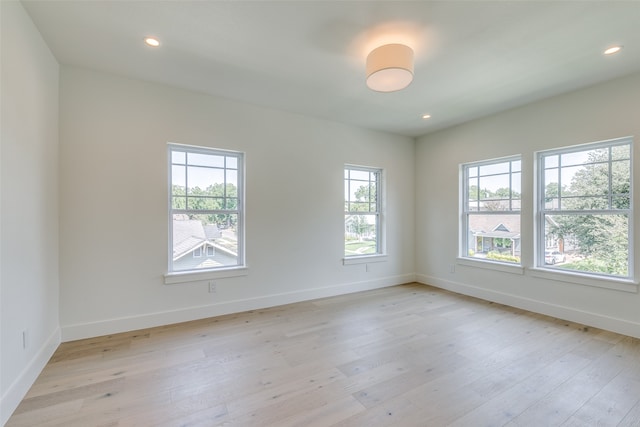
[324, 213]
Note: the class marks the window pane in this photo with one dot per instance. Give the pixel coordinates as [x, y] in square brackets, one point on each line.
[213, 237]
[595, 179]
[360, 235]
[590, 180]
[232, 203]
[551, 183]
[359, 207]
[359, 175]
[473, 171]
[495, 205]
[516, 189]
[584, 157]
[621, 152]
[472, 189]
[232, 179]
[494, 168]
[494, 187]
[361, 211]
[198, 159]
[585, 203]
[205, 180]
[588, 243]
[232, 162]
[178, 157]
[551, 161]
[178, 202]
[494, 237]
[178, 176]
[203, 236]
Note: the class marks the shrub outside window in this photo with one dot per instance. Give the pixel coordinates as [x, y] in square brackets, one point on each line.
[362, 189]
[205, 208]
[491, 210]
[585, 208]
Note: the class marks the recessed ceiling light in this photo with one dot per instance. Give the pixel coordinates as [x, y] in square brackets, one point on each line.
[152, 41]
[612, 50]
[426, 116]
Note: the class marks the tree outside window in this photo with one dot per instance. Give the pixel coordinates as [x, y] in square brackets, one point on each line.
[362, 211]
[585, 207]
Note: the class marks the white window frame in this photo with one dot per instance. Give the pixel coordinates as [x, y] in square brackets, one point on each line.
[379, 254]
[240, 269]
[466, 213]
[574, 276]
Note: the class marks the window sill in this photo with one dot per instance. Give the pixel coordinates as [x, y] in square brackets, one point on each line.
[618, 284]
[491, 265]
[364, 259]
[196, 276]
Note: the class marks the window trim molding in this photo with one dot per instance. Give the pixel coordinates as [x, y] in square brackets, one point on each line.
[505, 267]
[380, 223]
[540, 269]
[585, 279]
[463, 241]
[364, 259]
[208, 274]
[180, 276]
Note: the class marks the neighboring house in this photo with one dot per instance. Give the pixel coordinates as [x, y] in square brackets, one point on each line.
[359, 227]
[495, 233]
[501, 233]
[194, 245]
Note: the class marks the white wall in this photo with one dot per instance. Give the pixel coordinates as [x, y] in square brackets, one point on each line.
[601, 112]
[29, 210]
[113, 203]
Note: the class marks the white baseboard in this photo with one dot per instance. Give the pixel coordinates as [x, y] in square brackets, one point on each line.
[132, 323]
[595, 320]
[19, 388]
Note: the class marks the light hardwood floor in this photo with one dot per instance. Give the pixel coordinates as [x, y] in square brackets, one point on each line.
[409, 355]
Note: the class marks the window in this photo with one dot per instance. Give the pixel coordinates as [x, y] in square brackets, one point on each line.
[584, 208]
[206, 199]
[491, 210]
[362, 189]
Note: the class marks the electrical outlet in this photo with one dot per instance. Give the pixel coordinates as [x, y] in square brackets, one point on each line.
[452, 268]
[366, 268]
[25, 339]
[212, 287]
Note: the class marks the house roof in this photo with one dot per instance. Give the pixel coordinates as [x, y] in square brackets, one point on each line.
[495, 225]
[187, 236]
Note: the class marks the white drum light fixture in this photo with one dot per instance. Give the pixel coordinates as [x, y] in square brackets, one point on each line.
[390, 68]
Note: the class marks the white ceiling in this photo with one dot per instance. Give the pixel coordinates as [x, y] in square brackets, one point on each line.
[472, 58]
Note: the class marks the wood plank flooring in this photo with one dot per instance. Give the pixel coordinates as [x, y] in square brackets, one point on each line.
[410, 355]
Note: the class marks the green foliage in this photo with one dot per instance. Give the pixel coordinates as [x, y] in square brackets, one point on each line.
[216, 197]
[601, 239]
[365, 247]
[502, 242]
[496, 256]
[596, 266]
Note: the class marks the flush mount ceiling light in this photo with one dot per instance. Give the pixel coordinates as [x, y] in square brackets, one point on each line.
[612, 50]
[390, 68]
[152, 41]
